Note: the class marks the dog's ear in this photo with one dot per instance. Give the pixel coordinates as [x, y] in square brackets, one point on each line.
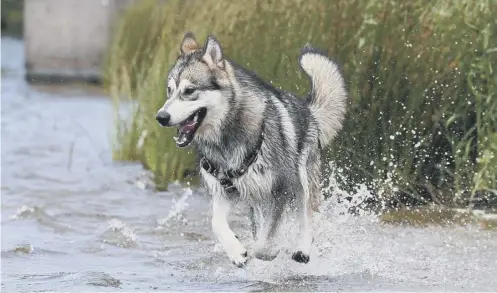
[213, 53]
[189, 44]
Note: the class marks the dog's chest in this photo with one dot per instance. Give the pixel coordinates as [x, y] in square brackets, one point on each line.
[250, 187]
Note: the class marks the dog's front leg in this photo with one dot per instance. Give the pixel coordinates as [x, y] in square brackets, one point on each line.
[231, 245]
[253, 223]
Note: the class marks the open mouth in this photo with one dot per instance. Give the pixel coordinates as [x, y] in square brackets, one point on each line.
[187, 128]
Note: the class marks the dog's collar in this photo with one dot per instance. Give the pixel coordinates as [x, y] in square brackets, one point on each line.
[226, 177]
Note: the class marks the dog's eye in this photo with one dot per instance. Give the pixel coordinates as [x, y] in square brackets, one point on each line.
[188, 91]
[169, 90]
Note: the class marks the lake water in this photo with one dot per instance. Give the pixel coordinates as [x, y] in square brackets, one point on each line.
[74, 220]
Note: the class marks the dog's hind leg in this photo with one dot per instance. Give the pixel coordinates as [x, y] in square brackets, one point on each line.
[308, 201]
[305, 218]
[231, 245]
[264, 247]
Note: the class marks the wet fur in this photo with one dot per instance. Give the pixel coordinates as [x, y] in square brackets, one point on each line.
[287, 169]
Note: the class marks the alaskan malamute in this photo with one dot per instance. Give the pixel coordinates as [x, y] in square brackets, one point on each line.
[256, 144]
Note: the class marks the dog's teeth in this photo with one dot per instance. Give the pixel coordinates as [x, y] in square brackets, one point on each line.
[195, 118]
[180, 139]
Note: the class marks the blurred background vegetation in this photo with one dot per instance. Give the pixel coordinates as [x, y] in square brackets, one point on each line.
[12, 17]
[421, 124]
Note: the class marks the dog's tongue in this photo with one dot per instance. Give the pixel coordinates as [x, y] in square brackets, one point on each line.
[188, 127]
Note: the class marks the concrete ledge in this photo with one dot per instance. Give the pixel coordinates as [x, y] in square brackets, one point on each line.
[66, 40]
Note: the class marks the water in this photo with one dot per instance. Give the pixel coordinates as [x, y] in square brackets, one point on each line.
[74, 220]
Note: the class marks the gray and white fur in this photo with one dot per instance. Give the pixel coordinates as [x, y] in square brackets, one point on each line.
[221, 109]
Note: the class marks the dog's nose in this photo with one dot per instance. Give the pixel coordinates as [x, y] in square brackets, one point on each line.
[163, 118]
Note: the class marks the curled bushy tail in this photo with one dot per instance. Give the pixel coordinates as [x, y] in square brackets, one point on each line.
[328, 96]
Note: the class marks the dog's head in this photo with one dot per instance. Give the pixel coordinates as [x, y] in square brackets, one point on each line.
[199, 91]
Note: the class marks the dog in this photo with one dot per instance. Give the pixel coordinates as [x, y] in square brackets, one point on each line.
[256, 144]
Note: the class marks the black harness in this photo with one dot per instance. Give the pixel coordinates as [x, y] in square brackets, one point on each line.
[226, 177]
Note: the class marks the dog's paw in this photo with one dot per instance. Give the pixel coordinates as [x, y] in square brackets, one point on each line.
[240, 260]
[238, 254]
[300, 257]
[264, 252]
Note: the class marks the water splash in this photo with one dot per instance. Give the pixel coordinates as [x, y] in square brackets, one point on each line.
[342, 202]
[176, 213]
[119, 234]
[24, 212]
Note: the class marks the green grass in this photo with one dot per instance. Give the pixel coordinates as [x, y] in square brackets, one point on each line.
[421, 76]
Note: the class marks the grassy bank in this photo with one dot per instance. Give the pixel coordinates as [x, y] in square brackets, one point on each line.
[436, 216]
[421, 76]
